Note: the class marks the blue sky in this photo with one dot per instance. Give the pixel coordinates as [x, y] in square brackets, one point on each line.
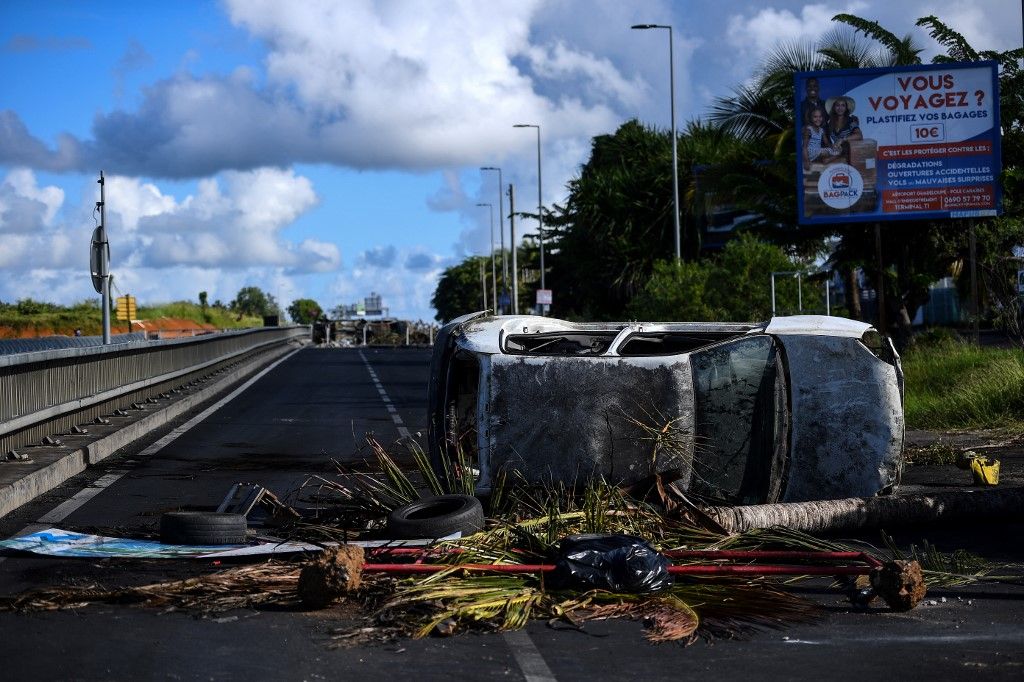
[327, 149]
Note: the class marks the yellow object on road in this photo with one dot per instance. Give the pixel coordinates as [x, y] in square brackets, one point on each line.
[985, 471]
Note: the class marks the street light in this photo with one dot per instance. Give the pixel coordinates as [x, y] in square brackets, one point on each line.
[494, 275]
[675, 158]
[540, 218]
[501, 227]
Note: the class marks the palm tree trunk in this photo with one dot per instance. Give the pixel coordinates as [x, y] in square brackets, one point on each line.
[873, 512]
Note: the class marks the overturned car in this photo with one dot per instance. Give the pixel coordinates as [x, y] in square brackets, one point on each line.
[799, 408]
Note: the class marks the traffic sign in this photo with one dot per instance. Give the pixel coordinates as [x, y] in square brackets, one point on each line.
[543, 296]
[126, 308]
[99, 258]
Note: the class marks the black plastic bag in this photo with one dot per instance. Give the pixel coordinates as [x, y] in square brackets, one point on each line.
[618, 563]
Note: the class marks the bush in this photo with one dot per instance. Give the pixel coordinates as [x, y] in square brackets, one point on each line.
[734, 286]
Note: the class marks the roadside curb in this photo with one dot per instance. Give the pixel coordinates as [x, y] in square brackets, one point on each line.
[47, 475]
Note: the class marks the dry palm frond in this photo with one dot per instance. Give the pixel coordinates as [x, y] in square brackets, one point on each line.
[668, 618]
[240, 587]
[949, 570]
[508, 601]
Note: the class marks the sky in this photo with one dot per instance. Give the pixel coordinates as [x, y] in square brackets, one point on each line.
[332, 148]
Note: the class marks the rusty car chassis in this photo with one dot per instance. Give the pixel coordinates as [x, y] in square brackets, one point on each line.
[798, 408]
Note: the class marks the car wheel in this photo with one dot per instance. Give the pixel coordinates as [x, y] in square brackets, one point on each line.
[202, 528]
[436, 517]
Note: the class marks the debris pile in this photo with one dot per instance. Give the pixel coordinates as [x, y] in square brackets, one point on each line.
[559, 554]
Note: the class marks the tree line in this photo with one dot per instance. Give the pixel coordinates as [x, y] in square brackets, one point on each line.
[610, 248]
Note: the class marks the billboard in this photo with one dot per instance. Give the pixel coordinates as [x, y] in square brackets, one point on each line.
[902, 143]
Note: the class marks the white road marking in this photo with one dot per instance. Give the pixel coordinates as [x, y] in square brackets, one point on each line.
[1007, 636]
[65, 509]
[395, 417]
[524, 651]
[68, 507]
[528, 657]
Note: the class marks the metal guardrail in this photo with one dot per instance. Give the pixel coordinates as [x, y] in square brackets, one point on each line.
[50, 391]
[13, 346]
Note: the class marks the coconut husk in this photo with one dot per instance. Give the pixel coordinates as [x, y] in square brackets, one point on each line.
[332, 575]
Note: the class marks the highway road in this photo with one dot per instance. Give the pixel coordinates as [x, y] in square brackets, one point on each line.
[314, 407]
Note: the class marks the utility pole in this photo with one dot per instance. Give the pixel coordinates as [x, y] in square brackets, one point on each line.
[483, 285]
[501, 230]
[512, 231]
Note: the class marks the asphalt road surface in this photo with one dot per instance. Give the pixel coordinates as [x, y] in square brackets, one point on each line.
[314, 408]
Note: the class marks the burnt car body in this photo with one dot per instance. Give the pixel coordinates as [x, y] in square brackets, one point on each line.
[798, 408]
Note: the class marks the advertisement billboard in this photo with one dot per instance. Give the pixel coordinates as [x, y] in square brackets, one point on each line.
[902, 143]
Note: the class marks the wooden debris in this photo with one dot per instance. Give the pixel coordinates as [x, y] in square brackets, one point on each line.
[330, 576]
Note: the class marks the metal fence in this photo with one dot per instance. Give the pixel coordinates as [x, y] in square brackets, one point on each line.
[50, 391]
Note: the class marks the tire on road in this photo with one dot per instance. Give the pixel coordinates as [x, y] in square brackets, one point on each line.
[202, 528]
[436, 517]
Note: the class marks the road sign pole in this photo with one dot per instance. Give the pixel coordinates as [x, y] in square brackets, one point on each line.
[105, 263]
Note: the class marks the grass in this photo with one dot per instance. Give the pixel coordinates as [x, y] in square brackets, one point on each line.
[43, 319]
[954, 385]
[222, 318]
[939, 453]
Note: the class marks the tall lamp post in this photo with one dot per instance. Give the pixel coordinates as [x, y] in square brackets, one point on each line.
[494, 276]
[540, 216]
[501, 227]
[675, 158]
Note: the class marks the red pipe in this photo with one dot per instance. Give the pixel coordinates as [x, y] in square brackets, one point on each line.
[711, 554]
[712, 570]
[783, 555]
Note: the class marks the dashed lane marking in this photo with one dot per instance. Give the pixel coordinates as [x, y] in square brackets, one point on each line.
[395, 417]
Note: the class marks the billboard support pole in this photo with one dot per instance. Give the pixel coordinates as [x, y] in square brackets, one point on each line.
[974, 282]
[880, 290]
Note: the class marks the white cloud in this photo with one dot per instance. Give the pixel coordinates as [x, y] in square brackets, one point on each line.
[237, 225]
[232, 224]
[22, 181]
[31, 239]
[405, 277]
[131, 200]
[358, 84]
[766, 28]
[986, 24]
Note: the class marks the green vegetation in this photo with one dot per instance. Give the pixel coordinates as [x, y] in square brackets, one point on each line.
[304, 311]
[31, 318]
[218, 316]
[254, 302]
[728, 287]
[34, 318]
[954, 385]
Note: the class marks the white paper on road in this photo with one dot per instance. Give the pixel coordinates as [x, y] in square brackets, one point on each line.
[64, 543]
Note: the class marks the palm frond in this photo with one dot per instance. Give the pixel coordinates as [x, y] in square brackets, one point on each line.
[958, 49]
[901, 50]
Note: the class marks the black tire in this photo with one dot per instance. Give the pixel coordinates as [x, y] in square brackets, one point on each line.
[436, 517]
[202, 528]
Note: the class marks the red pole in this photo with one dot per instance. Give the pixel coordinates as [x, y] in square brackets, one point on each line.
[713, 570]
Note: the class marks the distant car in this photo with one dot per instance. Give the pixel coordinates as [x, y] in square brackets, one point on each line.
[799, 408]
